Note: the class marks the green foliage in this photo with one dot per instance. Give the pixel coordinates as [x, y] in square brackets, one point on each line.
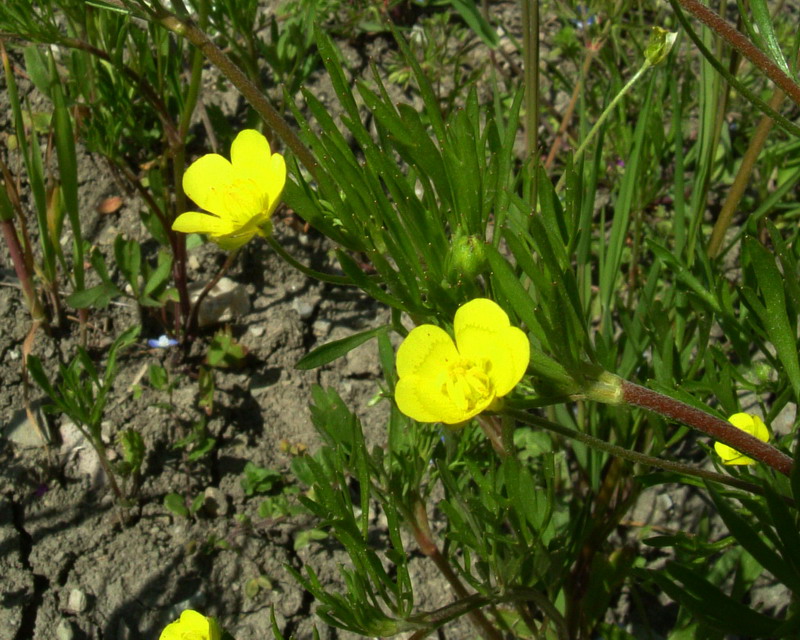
[225, 351]
[259, 480]
[429, 203]
[198, 443]
[81, 392]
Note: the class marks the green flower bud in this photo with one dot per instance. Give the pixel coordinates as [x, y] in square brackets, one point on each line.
[465, 260]
[659, 45]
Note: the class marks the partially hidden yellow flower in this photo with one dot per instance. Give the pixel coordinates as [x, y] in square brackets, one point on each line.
[450, 382]
[239, 195]
[749, 424]
[192, 626]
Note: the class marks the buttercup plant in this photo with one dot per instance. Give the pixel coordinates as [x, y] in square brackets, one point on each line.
[559, 296]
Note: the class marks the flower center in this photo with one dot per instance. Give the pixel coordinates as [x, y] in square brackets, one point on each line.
[245, 201]
[468, 386]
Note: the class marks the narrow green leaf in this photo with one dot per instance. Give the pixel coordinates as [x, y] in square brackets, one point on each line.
[68, 172]
[766, 32]
[330, 351]
[472, 16]
[754, 543]
[159, 276]
[775, 318]
[707, 602]
[36, 68]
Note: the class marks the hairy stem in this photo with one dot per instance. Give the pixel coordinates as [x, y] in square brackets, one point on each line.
[741, 43]
[721, 430]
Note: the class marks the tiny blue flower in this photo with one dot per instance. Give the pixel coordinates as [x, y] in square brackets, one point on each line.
[163, 342]
[585, 18]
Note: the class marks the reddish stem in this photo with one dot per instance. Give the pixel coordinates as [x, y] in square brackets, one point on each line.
[739, 42]
[719, 429]
[18, 258]
[422, 534]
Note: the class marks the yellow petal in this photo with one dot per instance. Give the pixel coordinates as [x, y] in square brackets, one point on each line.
[192, 625]
[420, 398]
[509, 360]
[483, 332]
[243, 201]
[750, 424]
[252, 160]
[276, 181]
[426, 350]
[250, 156]
[731, 456]
[475, 326]
[195, 222]
[232, 241]
[207, 181]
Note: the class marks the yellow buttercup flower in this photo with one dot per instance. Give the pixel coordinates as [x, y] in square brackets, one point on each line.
[192, 626]
[240, 195]
[443, 381]
[749, 424]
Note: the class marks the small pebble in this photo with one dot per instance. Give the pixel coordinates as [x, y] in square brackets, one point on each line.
[321, 328]
[65, 630]
[303, 307]
[216, 502]
[77, 601]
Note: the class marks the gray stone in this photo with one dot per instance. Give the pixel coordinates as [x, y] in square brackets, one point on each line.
[216, 502]
[303, 307]
[24, 433]
[321, 328]
[226, 301]
[77, 601]
[65, 630]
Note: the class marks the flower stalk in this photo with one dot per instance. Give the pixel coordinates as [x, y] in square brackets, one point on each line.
[721, 430]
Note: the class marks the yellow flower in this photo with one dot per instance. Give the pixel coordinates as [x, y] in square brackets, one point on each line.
[192, 626]
[749, 424]
[241, 194]
[442, 381]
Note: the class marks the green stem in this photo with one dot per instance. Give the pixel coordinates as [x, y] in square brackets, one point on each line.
[603, 117]
[530, 44]
[311, 273]
[633, 456]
